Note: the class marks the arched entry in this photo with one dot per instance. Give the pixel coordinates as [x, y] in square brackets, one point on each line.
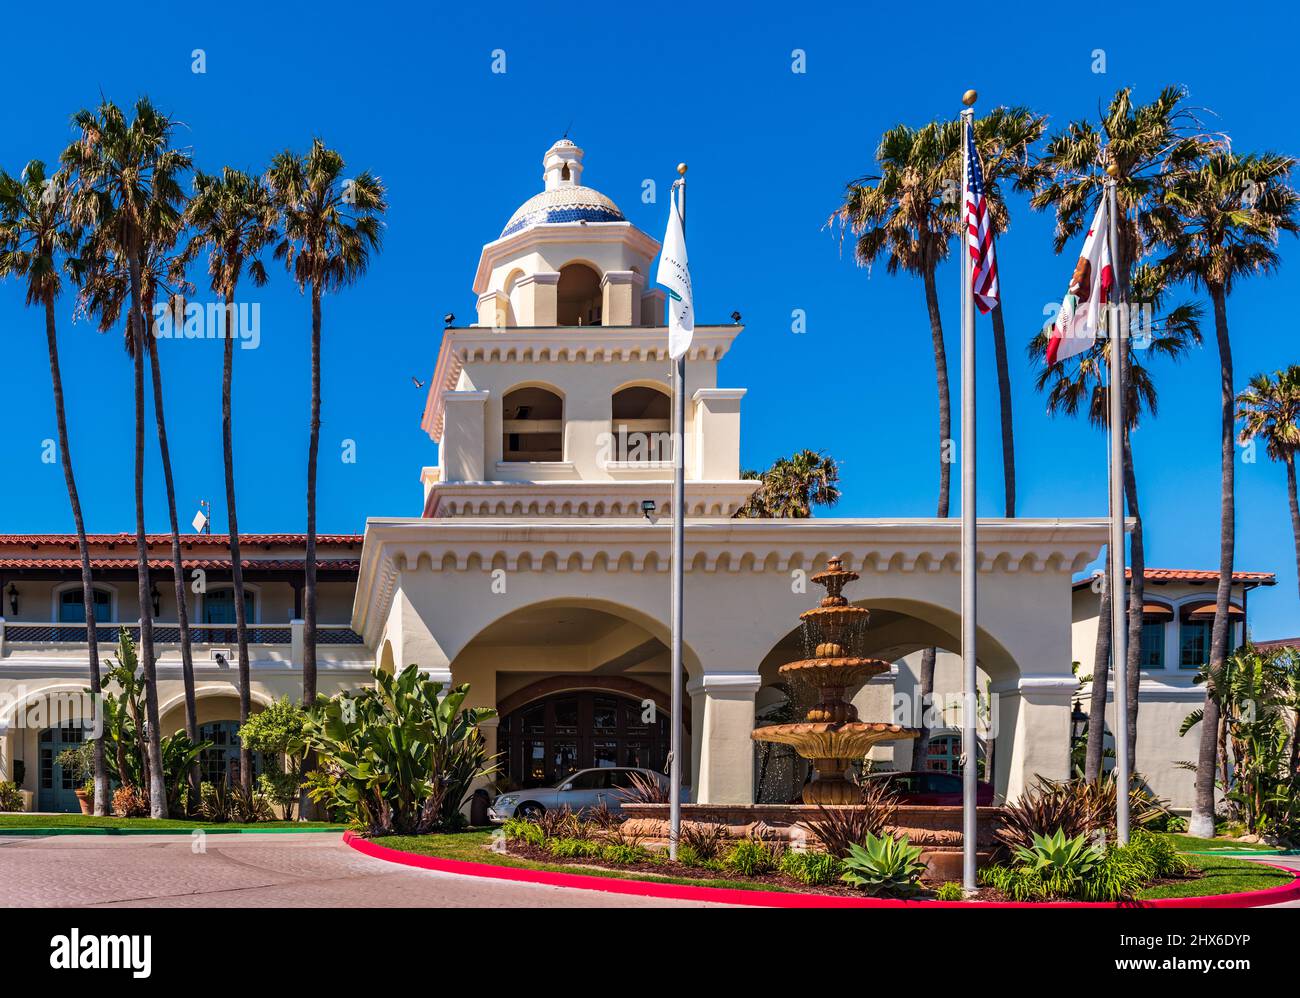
[546, 739]
[56, 785]
[220, 762]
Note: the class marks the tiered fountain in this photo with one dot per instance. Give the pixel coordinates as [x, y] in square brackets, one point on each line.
[830, 735]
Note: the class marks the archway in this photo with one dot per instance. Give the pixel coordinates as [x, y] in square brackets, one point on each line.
[578, 296]
[532, 425]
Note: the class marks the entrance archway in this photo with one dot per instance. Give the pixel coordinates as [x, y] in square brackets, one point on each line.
[56, 785]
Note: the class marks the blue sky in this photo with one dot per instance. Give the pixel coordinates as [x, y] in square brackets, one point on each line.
[408, 93]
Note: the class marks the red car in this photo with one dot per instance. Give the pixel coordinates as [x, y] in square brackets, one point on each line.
[933, 789]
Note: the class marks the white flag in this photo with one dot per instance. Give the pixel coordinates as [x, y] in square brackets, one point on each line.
[676, 277]
[1085, 301]
[199, 522]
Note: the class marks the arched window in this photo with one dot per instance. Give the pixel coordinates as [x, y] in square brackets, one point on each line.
[72, 606]
[532, 425]
[577, 296]
[219, 606]
[640, 425]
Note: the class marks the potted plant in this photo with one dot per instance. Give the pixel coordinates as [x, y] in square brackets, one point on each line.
[80, 765]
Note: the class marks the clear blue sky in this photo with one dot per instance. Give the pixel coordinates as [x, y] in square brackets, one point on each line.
[408, 92]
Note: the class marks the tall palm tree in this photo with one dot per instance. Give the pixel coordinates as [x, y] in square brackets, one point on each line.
[793, 486]
[233, 217]
[1270, 409]
[1148, 143]
[901, 214]
[1078, 385]
[104, 295]
[1003, 139]
[37, 243]
[1220, 220]
[125, 174]
[331, 225]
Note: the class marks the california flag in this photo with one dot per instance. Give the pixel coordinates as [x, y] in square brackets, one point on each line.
[1077, 323]
[674, 275]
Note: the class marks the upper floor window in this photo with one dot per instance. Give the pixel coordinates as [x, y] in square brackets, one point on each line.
[532, 425]
[219, 606]
[641, 425]
[72, 606]
[1195, 631]
[1152, 655]
[578, 298]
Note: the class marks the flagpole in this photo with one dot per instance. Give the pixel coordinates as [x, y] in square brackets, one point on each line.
[970, 748]
[679, 548]
[1118, 616]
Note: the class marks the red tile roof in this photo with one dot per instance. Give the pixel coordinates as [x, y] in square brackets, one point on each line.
[165, 564]
[193, 540]
[1195, 575]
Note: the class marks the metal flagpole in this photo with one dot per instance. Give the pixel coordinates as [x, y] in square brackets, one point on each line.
[970, 748]
[1118, 617]
[679, 547]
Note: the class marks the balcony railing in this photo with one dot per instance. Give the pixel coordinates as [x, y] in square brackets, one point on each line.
[33, 632]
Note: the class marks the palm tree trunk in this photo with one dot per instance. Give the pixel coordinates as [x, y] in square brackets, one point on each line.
[87, 588]
[925, 689]
[305, 803]
[1202, 823]
[1004, 398]
[1136, 600]
[178, 572]
[236, 568]
[156, 777]
[1093, 763]
[1295, 510]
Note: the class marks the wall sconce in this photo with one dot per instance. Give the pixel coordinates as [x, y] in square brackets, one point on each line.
[157, 600]
[13, 599]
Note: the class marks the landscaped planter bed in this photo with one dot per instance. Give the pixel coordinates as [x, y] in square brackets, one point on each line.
[470, 854]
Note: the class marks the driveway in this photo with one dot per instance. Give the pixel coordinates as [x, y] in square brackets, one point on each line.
[254, 871]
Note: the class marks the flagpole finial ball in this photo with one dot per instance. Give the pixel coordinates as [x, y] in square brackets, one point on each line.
[681, 169]
[969, 98]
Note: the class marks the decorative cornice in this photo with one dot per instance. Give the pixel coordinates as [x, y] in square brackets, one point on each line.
[463, 345]
[584, 499]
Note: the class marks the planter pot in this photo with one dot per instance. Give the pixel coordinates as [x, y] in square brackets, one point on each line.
[86, 801]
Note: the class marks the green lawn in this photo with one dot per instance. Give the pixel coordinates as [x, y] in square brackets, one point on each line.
[21, 820]
[472, 847]
[1189, 843]
[1222, 875]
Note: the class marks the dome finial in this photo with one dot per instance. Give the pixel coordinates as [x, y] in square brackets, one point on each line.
[562, 164]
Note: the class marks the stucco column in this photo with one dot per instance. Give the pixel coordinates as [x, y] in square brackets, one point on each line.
[461, 451]
[538, 299]
[717, 433]
[1031, 732]
[621, 298]
[722, 709]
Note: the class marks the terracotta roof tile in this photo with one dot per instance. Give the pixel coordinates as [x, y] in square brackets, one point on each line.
[193, 540]
[165, 564]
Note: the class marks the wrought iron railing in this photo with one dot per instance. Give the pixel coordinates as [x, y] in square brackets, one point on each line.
[27, 632]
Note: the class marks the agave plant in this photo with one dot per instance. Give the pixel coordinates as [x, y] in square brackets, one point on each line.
[1056, 856]
[1075, 807]
[884, 866]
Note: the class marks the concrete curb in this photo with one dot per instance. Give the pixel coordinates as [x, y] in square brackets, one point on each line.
[207, 829]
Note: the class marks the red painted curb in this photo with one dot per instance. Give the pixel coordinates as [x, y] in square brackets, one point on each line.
[774, 899]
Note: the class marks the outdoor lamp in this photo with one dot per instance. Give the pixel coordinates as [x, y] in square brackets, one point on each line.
[449, 318]
[157, 600]
[648, 508]
[13, 599]
[1078, 721]
[735, 317]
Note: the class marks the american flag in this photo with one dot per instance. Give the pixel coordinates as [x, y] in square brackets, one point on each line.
[979, 231]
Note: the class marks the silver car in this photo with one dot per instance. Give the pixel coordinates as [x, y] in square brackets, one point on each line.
[584, 790]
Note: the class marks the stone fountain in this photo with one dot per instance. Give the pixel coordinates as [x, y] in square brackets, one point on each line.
[830, 735]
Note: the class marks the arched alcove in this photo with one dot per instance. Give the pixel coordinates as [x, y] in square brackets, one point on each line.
[578, 299]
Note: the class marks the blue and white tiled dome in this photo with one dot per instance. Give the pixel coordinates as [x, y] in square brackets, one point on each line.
[563, 204]
[564, 200]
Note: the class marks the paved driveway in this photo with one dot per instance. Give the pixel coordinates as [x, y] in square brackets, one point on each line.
[253, 871]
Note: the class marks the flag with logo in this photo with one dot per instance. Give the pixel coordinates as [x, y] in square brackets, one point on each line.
[1075, 329]
[676, 278]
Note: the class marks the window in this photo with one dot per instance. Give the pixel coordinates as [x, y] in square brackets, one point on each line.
[944, 756]
[532, 425]
[72, 606]
[220, 762]
[578, 297]
[640, 425]
[1194, 636]
[1153, 645]
[219, 606]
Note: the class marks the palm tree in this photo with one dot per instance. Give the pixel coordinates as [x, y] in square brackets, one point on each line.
[1078, 385]
[126, 180]
[331, 226]
[901, 214]
[232, 216]
[1147, 143]
[104, 295]
[1220, 220]
[793, 486]
[36, 243]
[1270, 408]
[1003, 139]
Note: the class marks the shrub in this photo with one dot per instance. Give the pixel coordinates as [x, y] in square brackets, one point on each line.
[1164, 856]
[130, 802]
[522, 830]
[644, 790]
[750, 857]
[951, 891]
[1019, 883]
[558, 823]
[687, 855]
[624, 855]
[841, 827]
[573, 848]
[11, 799]
[814, 868]
[1075, 807]
[404, 754]
[216, 803]
[1056, 856]
[884, 866]
[708, 840]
